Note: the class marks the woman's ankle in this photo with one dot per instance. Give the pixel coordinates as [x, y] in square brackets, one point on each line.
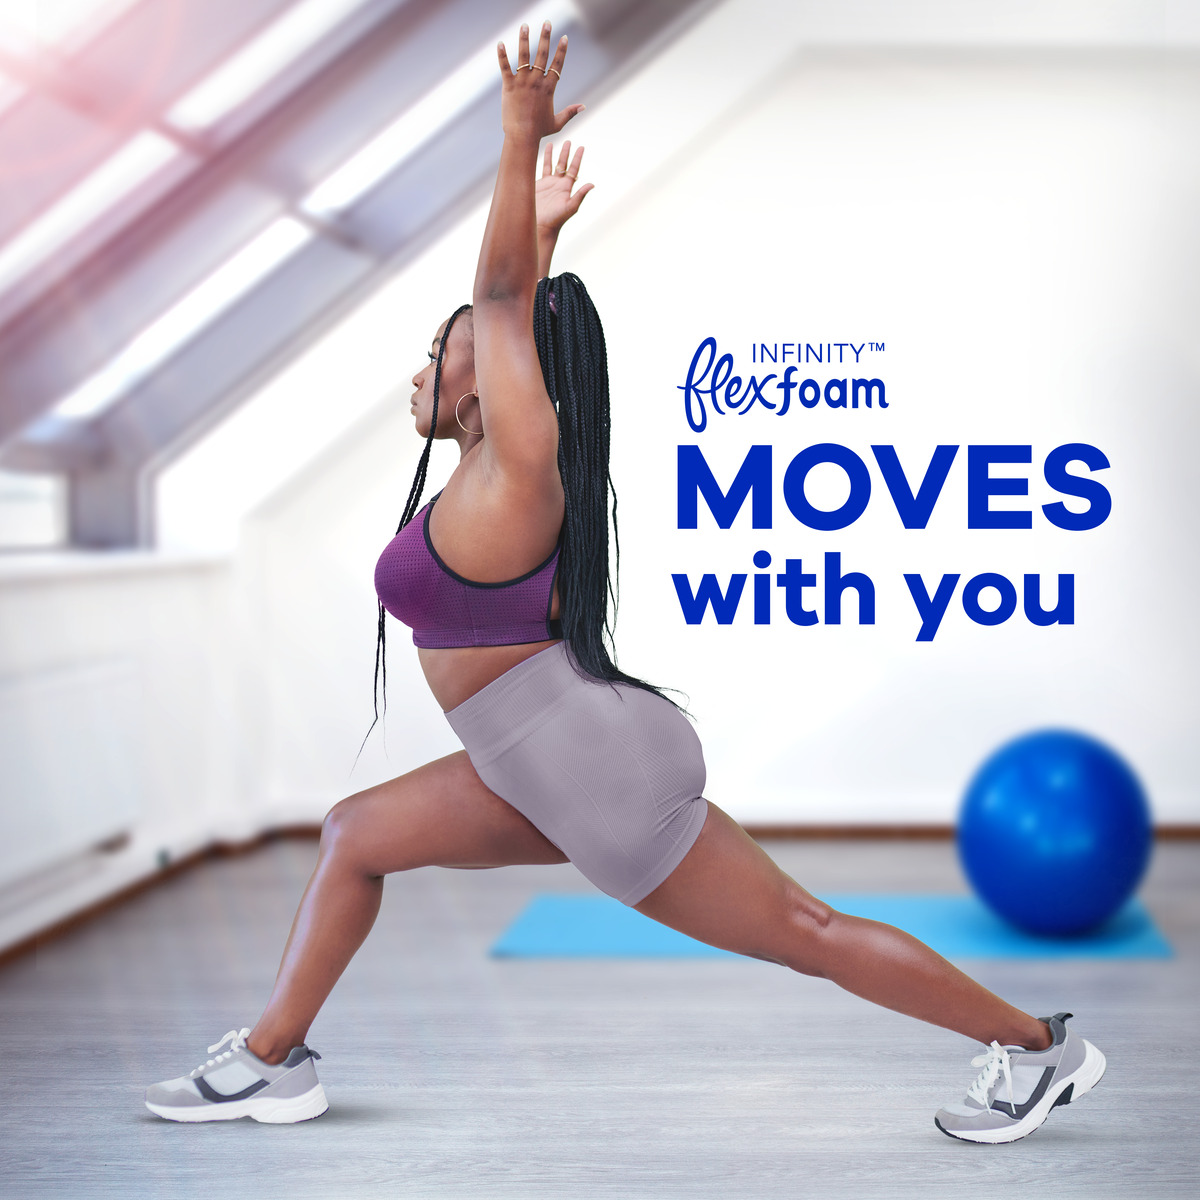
[270, 1050]
[1042, 1040]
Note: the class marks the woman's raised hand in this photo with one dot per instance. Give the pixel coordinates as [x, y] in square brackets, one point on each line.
[552, 196]
[527, 92]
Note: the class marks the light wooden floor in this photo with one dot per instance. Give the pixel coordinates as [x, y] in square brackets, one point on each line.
[453, 1075]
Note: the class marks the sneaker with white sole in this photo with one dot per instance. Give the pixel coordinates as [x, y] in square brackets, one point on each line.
[237, 1084]
[1017, 1088]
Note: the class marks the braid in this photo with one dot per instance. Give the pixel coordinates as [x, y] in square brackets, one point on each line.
[570, 346]
[410, 511]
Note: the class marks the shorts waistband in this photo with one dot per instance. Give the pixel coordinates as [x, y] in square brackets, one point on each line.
[510, 708]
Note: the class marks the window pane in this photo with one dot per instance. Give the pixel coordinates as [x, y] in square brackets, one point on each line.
[32, 510]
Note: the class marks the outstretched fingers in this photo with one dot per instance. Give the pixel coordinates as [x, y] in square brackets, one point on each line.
[569, 167]
[557, 194]
[564, 115]
[543, 50]
[528, 103]
[577, 197]
[560, 55]
[565, 165]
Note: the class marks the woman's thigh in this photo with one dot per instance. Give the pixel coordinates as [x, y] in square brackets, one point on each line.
[441, 814]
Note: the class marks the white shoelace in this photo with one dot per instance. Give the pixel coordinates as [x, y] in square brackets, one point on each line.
[236, 1041]
[995, 1062]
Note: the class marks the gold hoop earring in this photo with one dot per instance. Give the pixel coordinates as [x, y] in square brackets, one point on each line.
[476, 432]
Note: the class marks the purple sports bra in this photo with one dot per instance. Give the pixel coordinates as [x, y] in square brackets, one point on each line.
[446, 610]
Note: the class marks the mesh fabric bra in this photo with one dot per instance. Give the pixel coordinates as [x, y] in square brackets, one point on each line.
[445, 610]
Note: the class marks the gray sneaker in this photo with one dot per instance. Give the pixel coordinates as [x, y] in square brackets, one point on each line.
[237, 1084]
[1017, 1088]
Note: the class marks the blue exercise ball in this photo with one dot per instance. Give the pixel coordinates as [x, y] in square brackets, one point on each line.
[1054, 832]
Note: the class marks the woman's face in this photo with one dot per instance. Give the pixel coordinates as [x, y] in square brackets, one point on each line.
[458, 378]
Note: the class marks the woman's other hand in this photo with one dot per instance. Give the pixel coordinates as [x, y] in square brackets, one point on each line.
[554, 201]
[553, 198]
[527, 91]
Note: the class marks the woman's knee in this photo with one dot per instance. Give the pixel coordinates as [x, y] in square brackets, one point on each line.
[396, 826]
[809, 931]
[348, 831]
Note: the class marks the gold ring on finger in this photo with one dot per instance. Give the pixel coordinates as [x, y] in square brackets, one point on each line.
[549, 69]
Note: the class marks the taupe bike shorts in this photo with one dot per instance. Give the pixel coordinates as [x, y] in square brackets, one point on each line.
[612, 775]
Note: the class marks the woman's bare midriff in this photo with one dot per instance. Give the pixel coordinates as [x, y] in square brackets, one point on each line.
[456, 675]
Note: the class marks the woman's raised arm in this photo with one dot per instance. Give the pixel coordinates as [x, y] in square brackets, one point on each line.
[518, 420]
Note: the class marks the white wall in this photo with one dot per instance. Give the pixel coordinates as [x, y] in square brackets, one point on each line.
[158, 638]
[1019, 232]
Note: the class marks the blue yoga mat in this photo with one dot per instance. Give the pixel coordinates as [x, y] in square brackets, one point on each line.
[572, 926]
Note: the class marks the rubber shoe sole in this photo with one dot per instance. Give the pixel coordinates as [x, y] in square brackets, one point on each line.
[270, 1111]
[1064, 1091]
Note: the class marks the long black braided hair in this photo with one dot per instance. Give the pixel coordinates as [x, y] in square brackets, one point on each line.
[570, 347]
[571, 350]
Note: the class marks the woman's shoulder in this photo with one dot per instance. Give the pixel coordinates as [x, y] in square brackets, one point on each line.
[485, 486]
[490, 525]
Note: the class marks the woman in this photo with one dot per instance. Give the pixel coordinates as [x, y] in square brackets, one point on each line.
[504, 578]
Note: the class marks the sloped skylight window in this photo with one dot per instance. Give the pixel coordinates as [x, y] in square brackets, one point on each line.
[184, 320]
[436, 109]
[27, 26]
[139, 159]
[256, 64]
